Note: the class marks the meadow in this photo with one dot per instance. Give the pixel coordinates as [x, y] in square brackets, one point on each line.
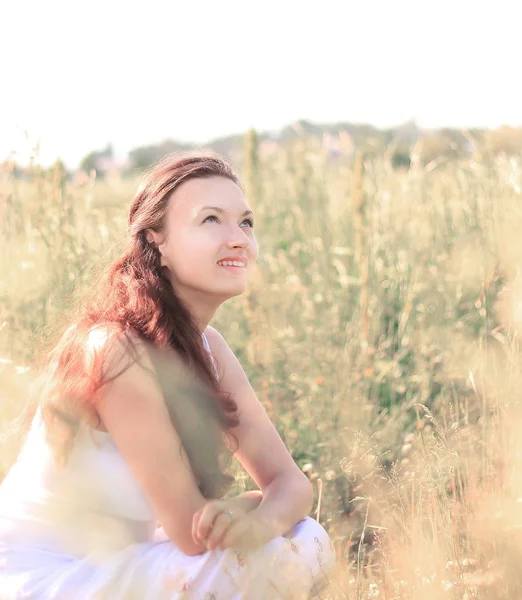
[380, 331]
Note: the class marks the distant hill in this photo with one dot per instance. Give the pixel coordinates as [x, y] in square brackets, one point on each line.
[404, 141]
[355, 135]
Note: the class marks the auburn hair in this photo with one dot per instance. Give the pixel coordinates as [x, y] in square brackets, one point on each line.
[136, 301]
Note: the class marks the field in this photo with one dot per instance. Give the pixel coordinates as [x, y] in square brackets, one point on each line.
[380, 331]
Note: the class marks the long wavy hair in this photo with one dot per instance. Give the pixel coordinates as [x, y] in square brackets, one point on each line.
[136, 299]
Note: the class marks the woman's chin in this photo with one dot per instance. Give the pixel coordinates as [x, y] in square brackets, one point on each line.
[230, 291]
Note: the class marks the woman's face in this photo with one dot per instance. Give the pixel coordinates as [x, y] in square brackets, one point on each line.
[196, 238]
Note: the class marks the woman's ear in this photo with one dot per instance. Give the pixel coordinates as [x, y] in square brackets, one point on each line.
[152, 237]
[156, 239]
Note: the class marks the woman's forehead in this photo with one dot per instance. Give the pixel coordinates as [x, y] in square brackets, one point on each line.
[193, 195]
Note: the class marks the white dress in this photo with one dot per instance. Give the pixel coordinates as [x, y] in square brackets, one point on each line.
[87, 531]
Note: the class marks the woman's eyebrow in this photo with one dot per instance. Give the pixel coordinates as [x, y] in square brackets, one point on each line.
[220, 210]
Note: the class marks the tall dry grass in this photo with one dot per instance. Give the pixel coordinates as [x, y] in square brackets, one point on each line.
[380, 331]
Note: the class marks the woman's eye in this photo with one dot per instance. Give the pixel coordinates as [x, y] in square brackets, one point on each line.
[249, 221]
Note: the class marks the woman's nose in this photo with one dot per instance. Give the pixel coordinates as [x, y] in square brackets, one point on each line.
[237, 242]
[239, 238]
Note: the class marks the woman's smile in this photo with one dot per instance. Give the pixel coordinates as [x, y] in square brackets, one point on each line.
[232, 268]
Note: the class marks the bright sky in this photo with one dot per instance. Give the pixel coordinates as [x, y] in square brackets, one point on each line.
[79, 75]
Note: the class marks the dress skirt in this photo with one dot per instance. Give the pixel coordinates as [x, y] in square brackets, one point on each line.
[291, 567]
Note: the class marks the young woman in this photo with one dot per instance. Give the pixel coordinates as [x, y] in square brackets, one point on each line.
[119, 490]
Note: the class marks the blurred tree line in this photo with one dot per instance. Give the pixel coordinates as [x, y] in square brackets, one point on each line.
[404, 145]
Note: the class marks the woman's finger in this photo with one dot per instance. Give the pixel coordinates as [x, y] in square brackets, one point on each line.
[195, 524]
[235, 534]
[208, 515]
[221, 525]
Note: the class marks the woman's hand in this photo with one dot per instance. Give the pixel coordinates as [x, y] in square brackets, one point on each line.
[247, 501]
[226, 524]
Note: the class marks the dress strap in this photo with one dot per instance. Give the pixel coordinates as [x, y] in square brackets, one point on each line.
[209, 350]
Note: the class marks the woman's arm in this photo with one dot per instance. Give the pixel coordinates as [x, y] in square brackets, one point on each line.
[133, 411]
[247, 501]
[285, 502]
[287, 494]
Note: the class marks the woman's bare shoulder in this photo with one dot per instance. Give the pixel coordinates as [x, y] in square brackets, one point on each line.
[215, 339]
[114, 347]
[211, 332]
[218, 344]
[232, 372]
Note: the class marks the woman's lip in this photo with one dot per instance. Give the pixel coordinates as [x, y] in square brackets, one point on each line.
[232, 267]
[243, 261]
[234, 258]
